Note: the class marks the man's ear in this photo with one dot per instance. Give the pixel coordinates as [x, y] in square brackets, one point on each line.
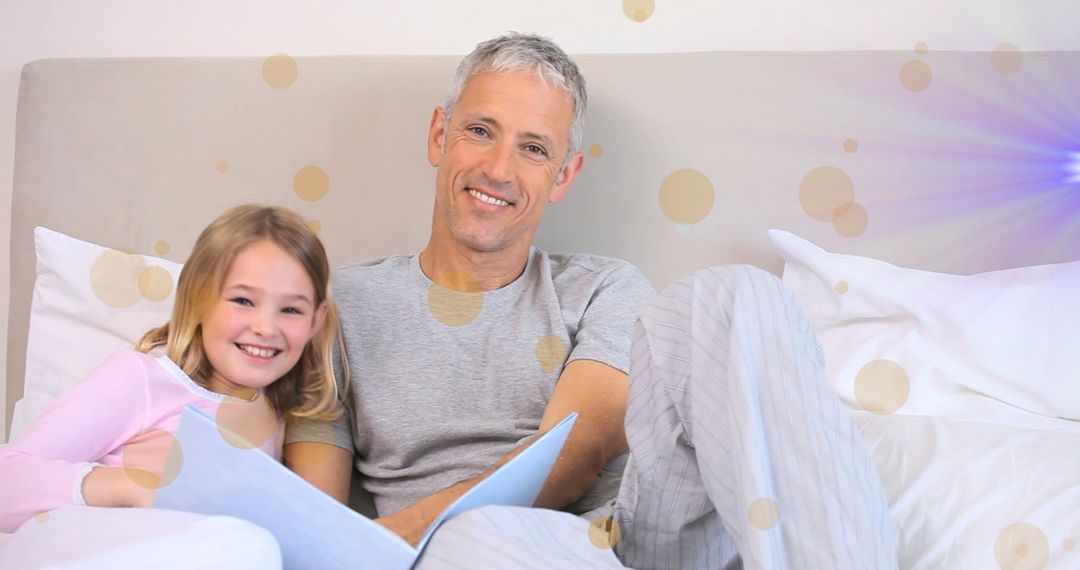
[566, 177]
[436, 136]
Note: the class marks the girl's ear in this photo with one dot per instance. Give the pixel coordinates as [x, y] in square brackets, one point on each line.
[319, 319]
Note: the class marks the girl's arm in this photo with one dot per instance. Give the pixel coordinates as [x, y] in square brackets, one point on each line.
[45, 467]
[325, 466]
[116, 487]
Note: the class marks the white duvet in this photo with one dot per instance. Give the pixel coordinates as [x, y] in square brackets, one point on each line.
[972, 495]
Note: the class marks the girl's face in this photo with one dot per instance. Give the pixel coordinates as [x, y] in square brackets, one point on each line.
[266, 314]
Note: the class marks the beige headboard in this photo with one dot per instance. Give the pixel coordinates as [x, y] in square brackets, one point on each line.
[945, 161]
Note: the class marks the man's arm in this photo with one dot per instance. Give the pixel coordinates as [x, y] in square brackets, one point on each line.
[326, 466]
[598, 393]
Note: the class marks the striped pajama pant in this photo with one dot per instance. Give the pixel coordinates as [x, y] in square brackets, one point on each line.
[740, 452]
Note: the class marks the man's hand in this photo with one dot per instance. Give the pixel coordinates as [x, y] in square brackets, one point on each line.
[413, 521]
[408, 523]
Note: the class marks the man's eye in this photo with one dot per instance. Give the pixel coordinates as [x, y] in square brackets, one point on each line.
[241, 301]
[478, 131]
[535, 149]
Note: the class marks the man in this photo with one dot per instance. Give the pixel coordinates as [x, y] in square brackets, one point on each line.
[459, 355]
[441, 396]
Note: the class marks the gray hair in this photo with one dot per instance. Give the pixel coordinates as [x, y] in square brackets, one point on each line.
[526, 52]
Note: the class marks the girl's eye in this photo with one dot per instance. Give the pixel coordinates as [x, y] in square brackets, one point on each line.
[244, 301]
[292, 311]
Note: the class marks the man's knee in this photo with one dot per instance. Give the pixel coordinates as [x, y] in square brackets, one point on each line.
[717, 284]
[718, 295]
[724, 283]
[737, 277]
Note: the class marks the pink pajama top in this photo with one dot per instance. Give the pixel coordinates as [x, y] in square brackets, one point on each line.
[131, 402]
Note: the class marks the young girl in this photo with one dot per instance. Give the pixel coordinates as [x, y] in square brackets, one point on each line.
[248, 343]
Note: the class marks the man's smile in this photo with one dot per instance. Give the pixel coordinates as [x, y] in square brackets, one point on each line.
[487, 198]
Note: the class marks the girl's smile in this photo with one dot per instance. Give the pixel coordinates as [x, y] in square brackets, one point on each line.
[257, 329]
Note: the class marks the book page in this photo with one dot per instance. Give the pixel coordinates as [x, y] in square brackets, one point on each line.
[517, 482]
[312, 528]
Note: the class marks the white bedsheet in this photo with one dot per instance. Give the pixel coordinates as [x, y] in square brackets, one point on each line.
[85, 538]
[973, 495]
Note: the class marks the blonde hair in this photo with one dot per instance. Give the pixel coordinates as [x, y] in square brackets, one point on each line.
[310, 389]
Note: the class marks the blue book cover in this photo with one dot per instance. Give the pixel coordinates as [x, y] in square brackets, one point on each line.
[312, 528]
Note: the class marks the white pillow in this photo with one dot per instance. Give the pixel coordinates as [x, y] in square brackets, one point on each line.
[956, 370]
[89, 301]
[998, 346]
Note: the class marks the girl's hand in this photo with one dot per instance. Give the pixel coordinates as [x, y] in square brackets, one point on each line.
[119, 487]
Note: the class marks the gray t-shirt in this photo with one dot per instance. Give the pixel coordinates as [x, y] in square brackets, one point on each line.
[444, 383]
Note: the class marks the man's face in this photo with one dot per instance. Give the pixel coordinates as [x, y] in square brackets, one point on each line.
[500, 160]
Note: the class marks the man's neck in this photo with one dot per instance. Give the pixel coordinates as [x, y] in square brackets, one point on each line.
[462, 269]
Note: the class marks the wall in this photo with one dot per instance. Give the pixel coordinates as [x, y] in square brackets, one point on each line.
[34, 29]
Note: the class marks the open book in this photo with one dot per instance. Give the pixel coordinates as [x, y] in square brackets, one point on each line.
[313, 529]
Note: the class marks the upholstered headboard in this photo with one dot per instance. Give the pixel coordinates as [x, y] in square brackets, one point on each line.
[946, 161]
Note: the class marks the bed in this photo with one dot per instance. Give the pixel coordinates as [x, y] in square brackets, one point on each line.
[927, 208]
